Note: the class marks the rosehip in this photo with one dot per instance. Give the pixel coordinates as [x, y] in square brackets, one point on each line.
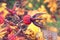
[1, 19]
[26, 19]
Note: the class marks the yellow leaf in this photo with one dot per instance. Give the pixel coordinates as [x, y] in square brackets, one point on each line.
[2, 34]
[13, 27]
[42, 9]
[2, 8]
[5, 13]
[33, 28]
[4, 4]
[30, 5]
[45, 1]
[51, 29]
[38, 0]
[40, 36]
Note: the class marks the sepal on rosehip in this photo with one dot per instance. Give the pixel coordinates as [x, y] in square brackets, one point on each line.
[11, 11]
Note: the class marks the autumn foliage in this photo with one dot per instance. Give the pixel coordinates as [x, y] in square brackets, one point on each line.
[30, 31]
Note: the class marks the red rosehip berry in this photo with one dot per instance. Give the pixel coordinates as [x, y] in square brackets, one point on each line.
[1, 19]
[26, 19]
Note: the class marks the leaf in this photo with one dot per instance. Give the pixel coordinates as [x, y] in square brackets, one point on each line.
[2, 34]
